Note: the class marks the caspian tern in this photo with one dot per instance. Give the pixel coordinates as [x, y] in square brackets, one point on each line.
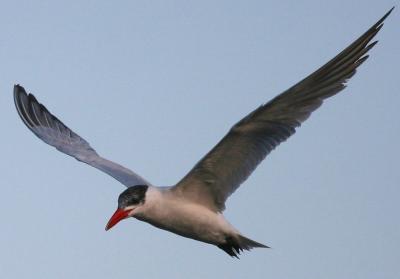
[193, 207]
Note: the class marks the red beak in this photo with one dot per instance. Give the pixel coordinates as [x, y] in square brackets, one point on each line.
[118, 215]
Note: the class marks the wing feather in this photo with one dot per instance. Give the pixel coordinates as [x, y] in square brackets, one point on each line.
[52, 131]
[217, 175]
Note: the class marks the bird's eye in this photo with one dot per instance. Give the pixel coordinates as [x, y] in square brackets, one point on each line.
[133, 200]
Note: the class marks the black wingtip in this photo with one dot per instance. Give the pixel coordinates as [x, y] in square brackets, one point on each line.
[385, 16]
[19, 96]
[18, 88]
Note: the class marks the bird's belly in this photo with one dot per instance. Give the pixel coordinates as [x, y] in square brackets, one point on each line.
[188, 220]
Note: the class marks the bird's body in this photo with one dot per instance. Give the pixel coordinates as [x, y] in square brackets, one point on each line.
[193, 207]
[165, 210]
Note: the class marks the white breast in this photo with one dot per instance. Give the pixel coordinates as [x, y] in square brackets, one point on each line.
[169, 212]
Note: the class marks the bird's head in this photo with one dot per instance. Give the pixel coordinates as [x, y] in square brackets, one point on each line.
[128, 201]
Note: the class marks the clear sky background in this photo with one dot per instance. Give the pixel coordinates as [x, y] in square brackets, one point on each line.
[154, 85]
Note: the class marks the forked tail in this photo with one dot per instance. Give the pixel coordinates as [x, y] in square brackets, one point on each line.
[234, 245]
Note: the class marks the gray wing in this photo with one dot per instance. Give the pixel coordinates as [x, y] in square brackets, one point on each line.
[216, 176]
[53, 132]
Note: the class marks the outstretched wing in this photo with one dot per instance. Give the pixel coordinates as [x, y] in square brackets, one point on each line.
[215, 177]
[53, 132]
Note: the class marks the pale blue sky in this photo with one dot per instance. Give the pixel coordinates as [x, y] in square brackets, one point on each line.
[154, 85]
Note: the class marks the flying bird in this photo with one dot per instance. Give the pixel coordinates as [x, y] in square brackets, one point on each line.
[193, 207]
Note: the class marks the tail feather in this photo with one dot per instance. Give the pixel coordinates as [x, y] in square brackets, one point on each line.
[233, 246]
[249, 244]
